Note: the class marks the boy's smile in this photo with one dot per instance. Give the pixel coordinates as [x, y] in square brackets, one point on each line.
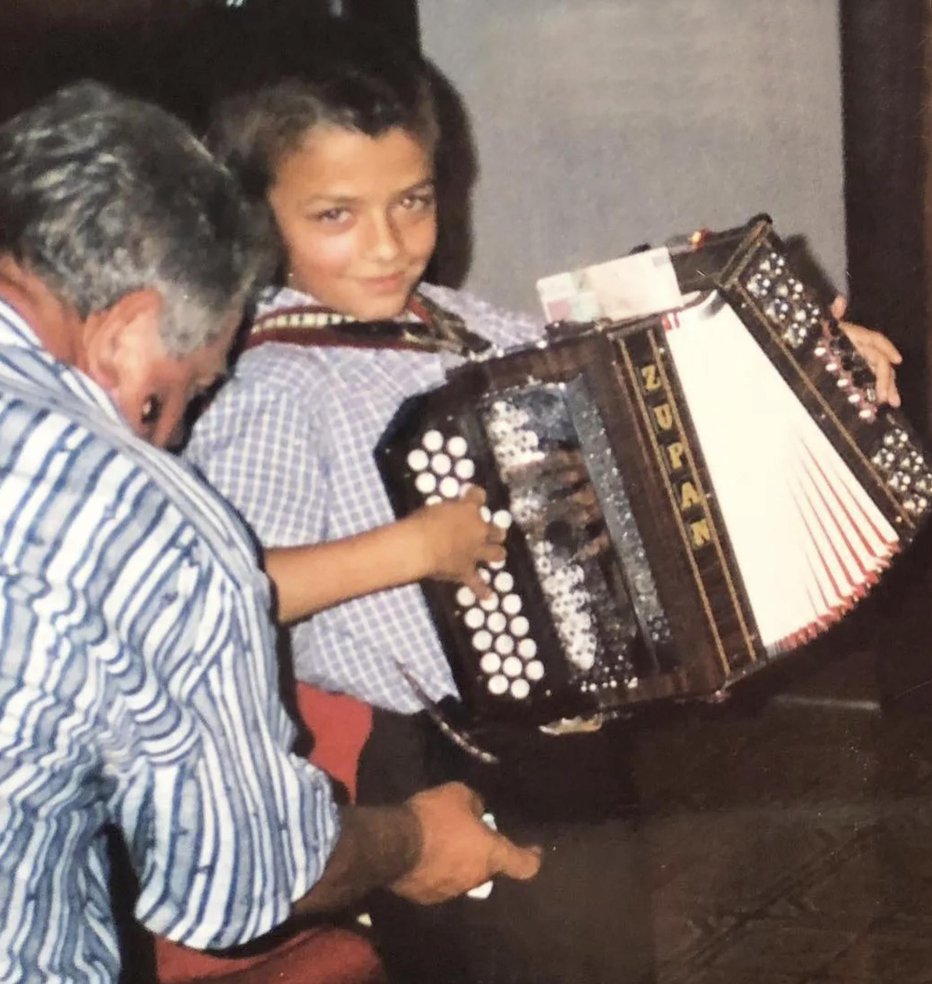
[358, 218]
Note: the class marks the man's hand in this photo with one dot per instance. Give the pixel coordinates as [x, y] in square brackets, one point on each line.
[876, 350]
[454, 538]
[458, 851]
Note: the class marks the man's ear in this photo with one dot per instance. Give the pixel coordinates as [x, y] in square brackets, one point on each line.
[118, 340]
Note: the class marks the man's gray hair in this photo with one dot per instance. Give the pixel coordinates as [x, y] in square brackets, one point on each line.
[101, 195]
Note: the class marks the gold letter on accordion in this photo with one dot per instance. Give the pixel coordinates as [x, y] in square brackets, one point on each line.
[689, 496]
[663, 414]
[651, 378]
[675, 452]
[701, 534]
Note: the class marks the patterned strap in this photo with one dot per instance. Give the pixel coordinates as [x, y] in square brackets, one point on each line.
[426, 327]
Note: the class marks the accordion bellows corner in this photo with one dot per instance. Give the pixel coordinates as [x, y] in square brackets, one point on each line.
[688, 495]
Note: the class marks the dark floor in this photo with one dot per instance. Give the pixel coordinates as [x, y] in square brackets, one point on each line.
[791, 843]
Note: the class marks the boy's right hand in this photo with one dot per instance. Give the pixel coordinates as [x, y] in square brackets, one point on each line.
[455, 538]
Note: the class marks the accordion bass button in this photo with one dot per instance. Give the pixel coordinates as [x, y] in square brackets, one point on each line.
[519, 626]
[464, 469]
[504, 645]
[482, 640]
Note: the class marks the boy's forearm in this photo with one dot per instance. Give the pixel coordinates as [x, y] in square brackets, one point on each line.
[377, 846]
[310, 578]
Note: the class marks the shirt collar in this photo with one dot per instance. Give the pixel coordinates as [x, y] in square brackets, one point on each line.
[16, 333]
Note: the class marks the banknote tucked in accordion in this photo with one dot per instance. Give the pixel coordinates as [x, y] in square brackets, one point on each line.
[690, 490]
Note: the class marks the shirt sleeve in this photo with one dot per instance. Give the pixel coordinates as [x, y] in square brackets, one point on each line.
[260, 446]
[226, 826]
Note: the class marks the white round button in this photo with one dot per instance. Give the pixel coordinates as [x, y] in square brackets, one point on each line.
[425, 483]
[464, 597]
[440, 464]
[497, 621]
[449, 487]
[520, 689]
[490, 663]
[512, 666]
[511, 604]
[498, 684]
[504, 582]
[534, 670]
[457, 446]
[475, 618]
[418, 460]
[432, 440]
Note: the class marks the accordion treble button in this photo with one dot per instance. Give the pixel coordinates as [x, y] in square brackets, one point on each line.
[498, 685]
[418, 460]
[490, 663]
[520, 689]
[534, 670]
[465, 597]
[432, 440]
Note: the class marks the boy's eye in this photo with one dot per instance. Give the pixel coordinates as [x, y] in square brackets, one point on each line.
[337, 214]
[420, 202]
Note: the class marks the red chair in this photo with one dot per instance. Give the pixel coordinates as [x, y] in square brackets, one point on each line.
[322, 955]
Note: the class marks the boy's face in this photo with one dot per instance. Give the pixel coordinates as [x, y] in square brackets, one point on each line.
[358, 218]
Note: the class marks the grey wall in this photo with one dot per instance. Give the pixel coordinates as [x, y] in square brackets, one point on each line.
[601, 124]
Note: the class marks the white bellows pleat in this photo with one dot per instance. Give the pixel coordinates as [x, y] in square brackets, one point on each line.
[807, 539]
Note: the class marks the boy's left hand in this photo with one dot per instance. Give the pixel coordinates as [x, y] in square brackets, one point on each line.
[876, 350]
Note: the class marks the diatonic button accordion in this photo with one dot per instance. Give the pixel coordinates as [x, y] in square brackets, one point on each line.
[688, 495]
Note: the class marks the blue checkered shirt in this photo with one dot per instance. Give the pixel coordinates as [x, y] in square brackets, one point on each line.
[138, 691]
[289, 441]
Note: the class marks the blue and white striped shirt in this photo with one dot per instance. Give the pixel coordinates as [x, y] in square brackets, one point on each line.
[289, 440]
[138, 690]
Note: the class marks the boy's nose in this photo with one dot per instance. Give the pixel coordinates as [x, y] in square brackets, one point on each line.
[384, 238]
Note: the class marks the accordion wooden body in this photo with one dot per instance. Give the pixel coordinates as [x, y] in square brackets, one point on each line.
[688, 495]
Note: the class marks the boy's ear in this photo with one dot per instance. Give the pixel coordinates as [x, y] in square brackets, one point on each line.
[118, 341]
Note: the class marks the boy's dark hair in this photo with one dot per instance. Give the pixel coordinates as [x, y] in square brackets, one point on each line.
[359, 88]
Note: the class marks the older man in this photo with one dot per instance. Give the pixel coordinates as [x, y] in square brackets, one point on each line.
[137, 677]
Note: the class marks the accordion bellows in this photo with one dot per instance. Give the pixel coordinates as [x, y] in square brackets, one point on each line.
[688, 495]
